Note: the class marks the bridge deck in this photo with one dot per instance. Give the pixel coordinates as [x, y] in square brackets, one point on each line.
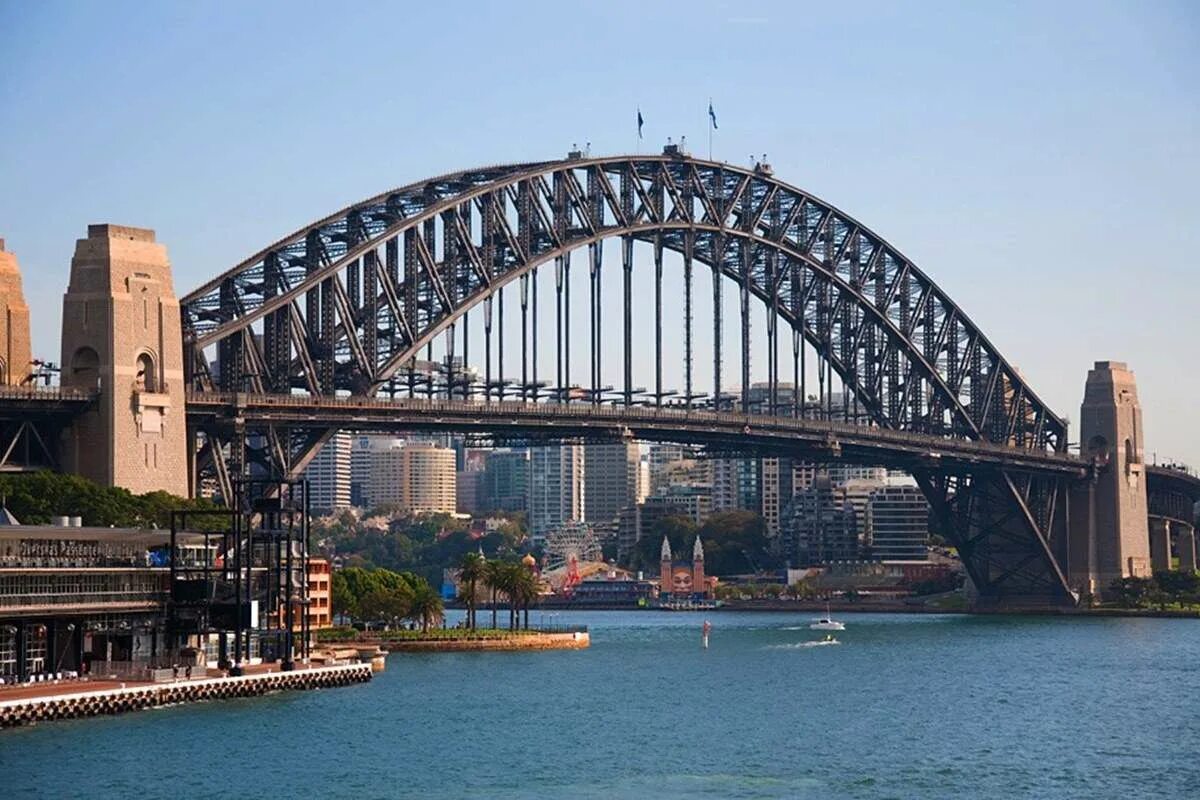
[735, 431]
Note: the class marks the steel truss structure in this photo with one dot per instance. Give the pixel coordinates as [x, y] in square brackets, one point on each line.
[348, 305]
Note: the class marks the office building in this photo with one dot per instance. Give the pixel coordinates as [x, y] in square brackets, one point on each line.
[610, 479]
[555, 488]
[505, 479]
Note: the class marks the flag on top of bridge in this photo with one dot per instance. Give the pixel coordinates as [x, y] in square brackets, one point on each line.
[712, 115]
[640, 123]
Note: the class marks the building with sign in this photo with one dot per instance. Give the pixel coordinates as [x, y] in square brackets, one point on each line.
[683, 581]
[71, 595]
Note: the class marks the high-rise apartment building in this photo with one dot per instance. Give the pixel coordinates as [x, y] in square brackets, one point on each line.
[819, 526]
[899, 518]
[361, 449]
[415, 476]
[328, 475]
[555, 488]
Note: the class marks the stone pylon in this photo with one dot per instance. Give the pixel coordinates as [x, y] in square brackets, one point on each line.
[15, 351]
[1109, 535]
[121, 336]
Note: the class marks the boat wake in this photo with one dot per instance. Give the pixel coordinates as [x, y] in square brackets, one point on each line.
[803, 645]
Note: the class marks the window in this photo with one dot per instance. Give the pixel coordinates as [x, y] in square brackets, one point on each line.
[147, 376]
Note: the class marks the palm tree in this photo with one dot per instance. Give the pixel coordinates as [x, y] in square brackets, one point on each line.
[471, 570]
[495, 573]
[525, 590]
[426, 604]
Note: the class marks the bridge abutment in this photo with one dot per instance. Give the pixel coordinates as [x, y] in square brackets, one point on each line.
[1109, 539]
[1160, 544]
[122, 337]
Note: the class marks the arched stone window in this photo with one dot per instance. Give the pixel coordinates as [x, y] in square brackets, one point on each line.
[85, 368]
[147, 374]
[1130, 453]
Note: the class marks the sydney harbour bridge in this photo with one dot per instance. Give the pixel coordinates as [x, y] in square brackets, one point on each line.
[391, 315]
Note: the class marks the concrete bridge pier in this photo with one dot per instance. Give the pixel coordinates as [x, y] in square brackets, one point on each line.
[121, 337]
[1160, 544]
[1108, 538]
[1185, 544]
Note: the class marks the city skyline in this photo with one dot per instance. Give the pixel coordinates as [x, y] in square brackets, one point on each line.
[1047, 132]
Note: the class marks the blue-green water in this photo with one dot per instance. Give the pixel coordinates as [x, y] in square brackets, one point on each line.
[905, 707]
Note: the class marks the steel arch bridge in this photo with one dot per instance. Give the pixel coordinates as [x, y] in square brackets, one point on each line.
[345, 307]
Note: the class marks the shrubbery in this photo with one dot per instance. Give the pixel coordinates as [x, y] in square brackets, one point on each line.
[1163, 590]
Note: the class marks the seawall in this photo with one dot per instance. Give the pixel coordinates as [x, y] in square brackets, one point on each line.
[122, 699]
[577, 640]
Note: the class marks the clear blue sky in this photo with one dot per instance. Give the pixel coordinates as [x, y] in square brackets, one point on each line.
[1040, 160]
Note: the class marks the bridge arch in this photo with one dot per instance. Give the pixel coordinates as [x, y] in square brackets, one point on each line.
[909, 354]
[343, 305]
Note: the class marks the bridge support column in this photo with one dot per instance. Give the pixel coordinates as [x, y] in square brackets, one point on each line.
[1160, 544]
[121, 336]
[1185, 544]
[1115, 513]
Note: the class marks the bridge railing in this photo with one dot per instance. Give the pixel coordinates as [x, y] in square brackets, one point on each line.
[618, 414]
[46, 393]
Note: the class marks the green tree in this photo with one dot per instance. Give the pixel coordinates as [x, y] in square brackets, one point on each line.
[388, 604]
[426, 604]
[524, 590]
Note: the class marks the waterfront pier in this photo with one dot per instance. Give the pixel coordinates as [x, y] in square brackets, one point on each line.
[44, 702]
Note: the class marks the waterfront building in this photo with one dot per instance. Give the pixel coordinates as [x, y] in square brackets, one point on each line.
[77, 599]
[505, 480]
[320, 593]
[819, 526]
[610, 479]
[555, 488]
[70, 595]
[899, 519]
[612, 587]
[329, 476]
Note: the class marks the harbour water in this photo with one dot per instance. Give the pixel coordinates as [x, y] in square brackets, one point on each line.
[904, 707]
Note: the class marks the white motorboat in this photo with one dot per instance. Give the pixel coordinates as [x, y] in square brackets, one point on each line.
[827, 623]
